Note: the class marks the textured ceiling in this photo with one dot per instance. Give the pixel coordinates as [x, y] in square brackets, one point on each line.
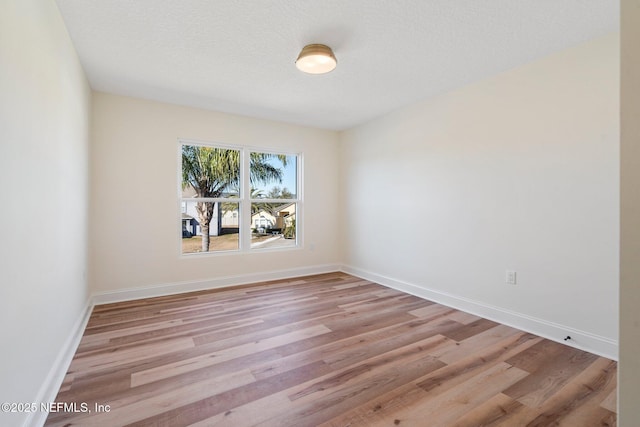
[238, 56]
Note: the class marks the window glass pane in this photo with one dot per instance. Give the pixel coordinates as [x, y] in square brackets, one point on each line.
[273, 176]
[223, 228]
[273, 225]
[210, 171]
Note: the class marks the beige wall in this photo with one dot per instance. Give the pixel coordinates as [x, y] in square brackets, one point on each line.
[44, 134]
[629, 373]
[516, 172]
[134, 210]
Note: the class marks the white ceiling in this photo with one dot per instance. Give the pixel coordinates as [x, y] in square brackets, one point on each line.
[238, 56]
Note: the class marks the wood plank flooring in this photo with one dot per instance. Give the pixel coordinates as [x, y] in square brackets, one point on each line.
[326, 350]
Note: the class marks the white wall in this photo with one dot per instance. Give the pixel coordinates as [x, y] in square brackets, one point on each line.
[134, 210]
[520, 172]
[629, 371]
[44, 133]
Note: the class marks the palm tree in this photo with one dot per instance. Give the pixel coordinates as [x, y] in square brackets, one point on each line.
[212, 170]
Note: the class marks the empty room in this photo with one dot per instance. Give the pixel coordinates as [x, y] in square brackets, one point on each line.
[329, 213]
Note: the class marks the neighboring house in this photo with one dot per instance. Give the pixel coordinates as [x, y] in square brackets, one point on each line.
[230, 218]
[190, 216]
[191, 224]
[276, 219]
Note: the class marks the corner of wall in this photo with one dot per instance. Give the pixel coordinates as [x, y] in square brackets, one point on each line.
[582, 340]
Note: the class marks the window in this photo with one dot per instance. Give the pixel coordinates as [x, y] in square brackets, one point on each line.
[238, 199]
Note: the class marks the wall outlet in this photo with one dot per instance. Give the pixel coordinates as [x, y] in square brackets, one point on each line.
[510, 277]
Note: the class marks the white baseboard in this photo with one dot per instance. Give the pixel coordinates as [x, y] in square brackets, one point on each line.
[596, 344]
[51, 385]
[218, 282]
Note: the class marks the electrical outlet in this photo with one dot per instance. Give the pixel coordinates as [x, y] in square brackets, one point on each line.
[510, 278]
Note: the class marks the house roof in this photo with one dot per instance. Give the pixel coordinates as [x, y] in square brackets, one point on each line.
[276, 210]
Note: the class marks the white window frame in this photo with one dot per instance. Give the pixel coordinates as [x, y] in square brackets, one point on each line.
[244, 200]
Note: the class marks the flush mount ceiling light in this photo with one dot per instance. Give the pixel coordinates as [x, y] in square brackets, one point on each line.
[316, 59]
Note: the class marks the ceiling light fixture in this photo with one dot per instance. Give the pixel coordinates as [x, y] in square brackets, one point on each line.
[316, 59]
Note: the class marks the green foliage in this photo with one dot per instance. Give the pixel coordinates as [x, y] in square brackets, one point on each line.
[275, 193]
[209, 170]
[212, 171]
[261, 171]
[280, 193]
[290, 230]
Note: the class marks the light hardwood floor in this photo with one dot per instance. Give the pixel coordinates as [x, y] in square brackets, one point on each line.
[325, 350]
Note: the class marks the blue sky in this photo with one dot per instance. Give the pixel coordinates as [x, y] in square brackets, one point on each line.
[288, 177]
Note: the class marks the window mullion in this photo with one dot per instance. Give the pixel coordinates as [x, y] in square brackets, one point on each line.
[245, 206]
